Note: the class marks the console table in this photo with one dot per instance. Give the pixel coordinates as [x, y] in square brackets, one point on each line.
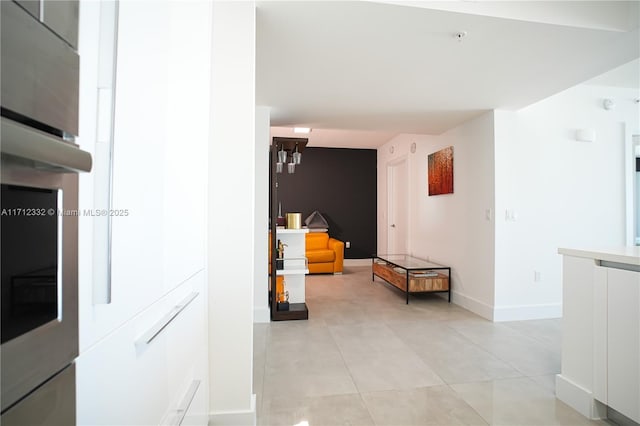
[411, 275]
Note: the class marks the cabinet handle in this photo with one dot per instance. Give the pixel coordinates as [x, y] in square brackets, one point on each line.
[103, 173]
[617, 265]
[181, 411]
[157, 328]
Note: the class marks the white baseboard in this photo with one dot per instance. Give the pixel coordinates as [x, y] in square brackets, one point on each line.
[507, 313]
[235, 418]
[357, 262]
[261, 314]
[527, 312]
[473, 305]
[579, 398]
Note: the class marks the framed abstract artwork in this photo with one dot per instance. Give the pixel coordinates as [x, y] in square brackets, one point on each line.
[440, 172]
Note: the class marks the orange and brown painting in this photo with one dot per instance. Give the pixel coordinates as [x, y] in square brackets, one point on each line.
[440, 172]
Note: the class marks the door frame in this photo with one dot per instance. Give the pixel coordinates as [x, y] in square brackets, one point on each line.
[390, 165]
[632, 193]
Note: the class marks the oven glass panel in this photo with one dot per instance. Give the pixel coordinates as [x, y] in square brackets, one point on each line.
[29, 233]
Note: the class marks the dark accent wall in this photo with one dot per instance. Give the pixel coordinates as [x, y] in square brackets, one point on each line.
[342, 185]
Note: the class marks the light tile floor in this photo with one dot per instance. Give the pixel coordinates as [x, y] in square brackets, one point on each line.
[364, 357]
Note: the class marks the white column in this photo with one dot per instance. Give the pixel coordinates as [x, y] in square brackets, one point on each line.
[231, 213]
[261, 311]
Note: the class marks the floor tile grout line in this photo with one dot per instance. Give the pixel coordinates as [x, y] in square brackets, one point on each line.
[471, 342]
[469, 405]
[333, 337]
[509, 363]
[492, 354]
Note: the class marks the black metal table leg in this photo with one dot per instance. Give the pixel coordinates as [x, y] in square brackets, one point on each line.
[373, 276]
[407, 285]
[449, 269]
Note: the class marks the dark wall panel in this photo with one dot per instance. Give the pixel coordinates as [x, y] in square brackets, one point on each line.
[340, 184]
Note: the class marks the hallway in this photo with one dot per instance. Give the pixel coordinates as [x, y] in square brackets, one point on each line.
[366, 358]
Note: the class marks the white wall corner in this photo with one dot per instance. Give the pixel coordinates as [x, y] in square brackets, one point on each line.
[235, 418]
[261, 311]
[473, 305]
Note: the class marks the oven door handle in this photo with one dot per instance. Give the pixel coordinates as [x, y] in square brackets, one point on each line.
[45, 151]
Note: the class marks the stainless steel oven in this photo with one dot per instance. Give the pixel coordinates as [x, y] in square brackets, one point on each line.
[39, 211]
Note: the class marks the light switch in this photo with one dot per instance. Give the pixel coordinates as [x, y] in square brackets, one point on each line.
[510, 215]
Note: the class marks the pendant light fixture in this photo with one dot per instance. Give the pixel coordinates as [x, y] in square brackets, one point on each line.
[291, 167]
[297, 156]
[282, 158]
[288, 152]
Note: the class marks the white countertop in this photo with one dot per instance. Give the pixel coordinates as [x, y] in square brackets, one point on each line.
[624, 254]
[291, 231]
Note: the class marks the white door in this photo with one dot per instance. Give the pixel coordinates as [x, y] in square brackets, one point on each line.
[636, 150]
[398, 207]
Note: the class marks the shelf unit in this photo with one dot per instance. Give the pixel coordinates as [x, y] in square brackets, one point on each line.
[294, 271]
[295, 263]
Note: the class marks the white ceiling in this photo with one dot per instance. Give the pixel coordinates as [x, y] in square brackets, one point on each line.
[627, 75]
[371, 67]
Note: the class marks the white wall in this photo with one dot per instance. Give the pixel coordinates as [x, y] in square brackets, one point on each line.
[565, 193]
[450, 229]
[261, 311]
[231, 213]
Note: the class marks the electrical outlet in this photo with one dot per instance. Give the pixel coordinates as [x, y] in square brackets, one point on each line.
[510, 215]
[536, 276]
[347, 244]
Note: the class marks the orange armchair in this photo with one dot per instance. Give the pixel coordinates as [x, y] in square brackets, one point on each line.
[325, 254]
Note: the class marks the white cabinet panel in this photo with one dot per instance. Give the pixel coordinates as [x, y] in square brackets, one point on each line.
[186, 131]
[138, 156]
[624, 342]
[159, 158]
[187, 361]
[124, 380]
[600, 322]
[138, 164]
[121, 384]
[577, 309]
[158, 250]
